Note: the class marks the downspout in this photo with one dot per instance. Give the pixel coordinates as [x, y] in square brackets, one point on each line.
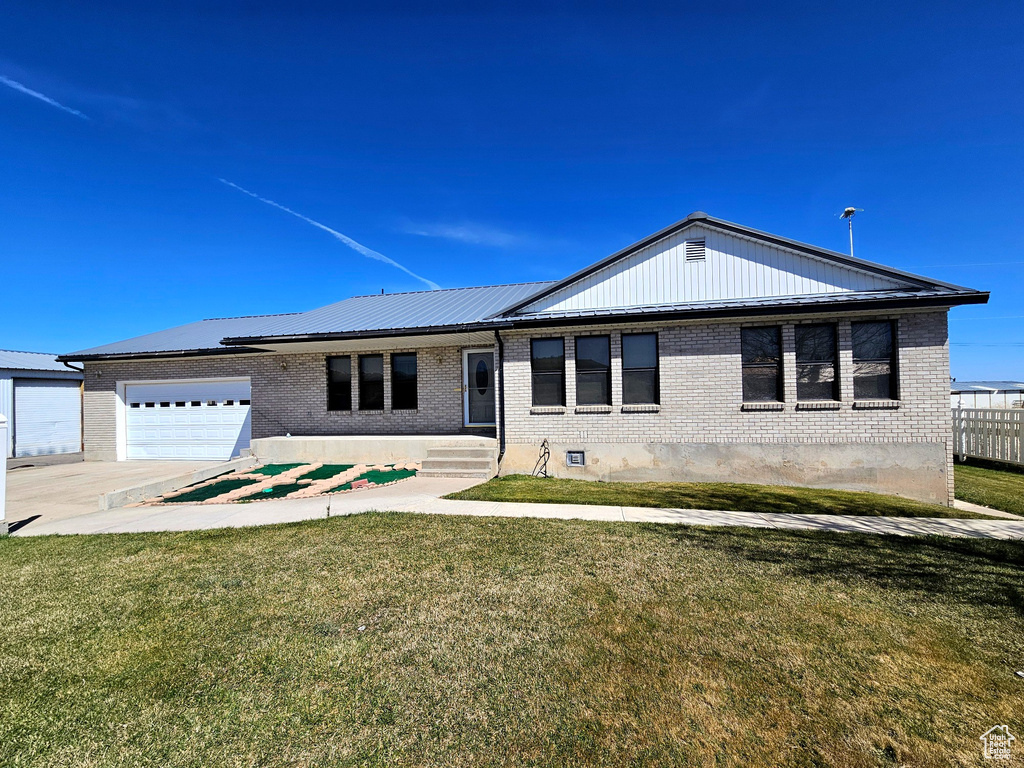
[501, 395]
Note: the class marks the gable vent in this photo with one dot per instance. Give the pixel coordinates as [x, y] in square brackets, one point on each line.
[695, 250]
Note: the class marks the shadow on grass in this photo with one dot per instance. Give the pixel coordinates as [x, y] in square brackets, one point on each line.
[981, 572]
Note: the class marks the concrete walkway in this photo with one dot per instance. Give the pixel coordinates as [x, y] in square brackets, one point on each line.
[421, 495]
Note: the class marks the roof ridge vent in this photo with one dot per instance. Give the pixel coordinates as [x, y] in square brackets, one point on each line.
[695, 250]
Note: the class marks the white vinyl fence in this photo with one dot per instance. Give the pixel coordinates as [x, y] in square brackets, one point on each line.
[989, 433]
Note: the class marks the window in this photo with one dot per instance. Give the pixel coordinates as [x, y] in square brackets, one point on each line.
[403, 382]
[761, 352]
[547, 363]
[874, 361]
[817, 370]
[371, 382]
[339, 383]
[593, 370]
[640, 369]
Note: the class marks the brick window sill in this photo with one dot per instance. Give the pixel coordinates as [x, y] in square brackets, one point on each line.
[876, 405]
[767, 406]
[641, 408]
[593, 409]
[819, 405]
[547, 410]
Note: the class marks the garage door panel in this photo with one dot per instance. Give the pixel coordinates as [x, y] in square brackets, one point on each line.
[187, 419]
[47, 417]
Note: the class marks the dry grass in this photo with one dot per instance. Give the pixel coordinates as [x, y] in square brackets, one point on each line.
[390, 640]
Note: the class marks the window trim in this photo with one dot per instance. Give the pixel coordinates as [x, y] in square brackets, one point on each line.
[362, 389]
[327, 364]
[894, 359]
[534, 374]
[657, 365]
[607, 372]
[836, 382]
[416, 382]
[780, 365]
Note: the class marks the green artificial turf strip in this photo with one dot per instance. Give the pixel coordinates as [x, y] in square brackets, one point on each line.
[327, 471]
[209, 491]
[275, 492]
[377, 477]
[717, 496]
[272, 469]
[416, 640]
[991, 485]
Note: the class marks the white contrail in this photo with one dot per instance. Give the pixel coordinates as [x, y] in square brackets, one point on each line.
[41, 96]
[357, 247]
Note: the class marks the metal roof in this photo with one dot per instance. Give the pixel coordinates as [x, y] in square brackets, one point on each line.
[445, 308]
[772, 304]
[987, 386]
[201, 336]
[30, 361]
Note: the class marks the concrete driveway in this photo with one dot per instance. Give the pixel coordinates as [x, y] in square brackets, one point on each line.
[45, 493]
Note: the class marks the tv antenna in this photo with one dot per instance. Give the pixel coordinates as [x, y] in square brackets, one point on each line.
[848, 214]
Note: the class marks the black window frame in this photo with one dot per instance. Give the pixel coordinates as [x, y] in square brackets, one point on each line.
[364, 390]
[337, 397]
[604, 372]
[399, 388]
[534, 373]
[836, 392]
[778, 364]
[656, 369]
[894, 358]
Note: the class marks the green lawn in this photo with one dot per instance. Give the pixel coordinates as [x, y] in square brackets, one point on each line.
[720, 496]
[996, 486]
[402, 640]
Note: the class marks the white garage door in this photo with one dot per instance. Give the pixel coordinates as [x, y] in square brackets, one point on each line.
[200, 419]
[47, 417]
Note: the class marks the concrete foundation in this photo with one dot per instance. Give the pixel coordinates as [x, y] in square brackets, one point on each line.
[359, 449]
[912, 470]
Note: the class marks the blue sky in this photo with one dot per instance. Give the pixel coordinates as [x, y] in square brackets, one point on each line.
[477, 147]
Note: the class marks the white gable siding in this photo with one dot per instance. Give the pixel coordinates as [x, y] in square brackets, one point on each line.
[734, 267]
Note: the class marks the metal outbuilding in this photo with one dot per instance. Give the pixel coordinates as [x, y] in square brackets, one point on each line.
[987, 394]
[42, 400]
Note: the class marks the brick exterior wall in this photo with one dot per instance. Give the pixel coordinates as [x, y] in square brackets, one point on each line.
[701, 394]
[289, 395]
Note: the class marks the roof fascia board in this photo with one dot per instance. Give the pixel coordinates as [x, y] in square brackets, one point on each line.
[383, 333]
[73, 358]
[721, 312]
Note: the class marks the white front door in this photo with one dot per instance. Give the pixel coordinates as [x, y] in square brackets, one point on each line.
[197, 419]
[478, 387]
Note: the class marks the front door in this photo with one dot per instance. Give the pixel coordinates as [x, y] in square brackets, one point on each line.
[478, 386]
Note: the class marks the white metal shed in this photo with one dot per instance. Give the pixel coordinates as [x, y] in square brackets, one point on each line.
[42, 400]
[987, 394]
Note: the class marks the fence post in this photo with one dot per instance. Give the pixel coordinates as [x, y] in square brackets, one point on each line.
[3, 477]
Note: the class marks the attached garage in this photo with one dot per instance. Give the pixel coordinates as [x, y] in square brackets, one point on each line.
[187, 419]
[42, 400]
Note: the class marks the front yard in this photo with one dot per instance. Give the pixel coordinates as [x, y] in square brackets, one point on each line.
[389, 639]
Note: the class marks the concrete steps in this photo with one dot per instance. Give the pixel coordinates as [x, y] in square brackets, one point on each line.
[474, 462]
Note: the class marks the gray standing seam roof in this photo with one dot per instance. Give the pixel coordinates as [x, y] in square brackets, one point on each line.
[987, 386]
[203, 335]
[30, 361]
[445, 308]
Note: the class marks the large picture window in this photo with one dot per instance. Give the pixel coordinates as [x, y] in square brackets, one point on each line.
[593, 370]
[339, 383]
[761, 353]
[640, 385]
[547, 364]
[874, 361]
[817, 368]
[403, 382]
[371, 382]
